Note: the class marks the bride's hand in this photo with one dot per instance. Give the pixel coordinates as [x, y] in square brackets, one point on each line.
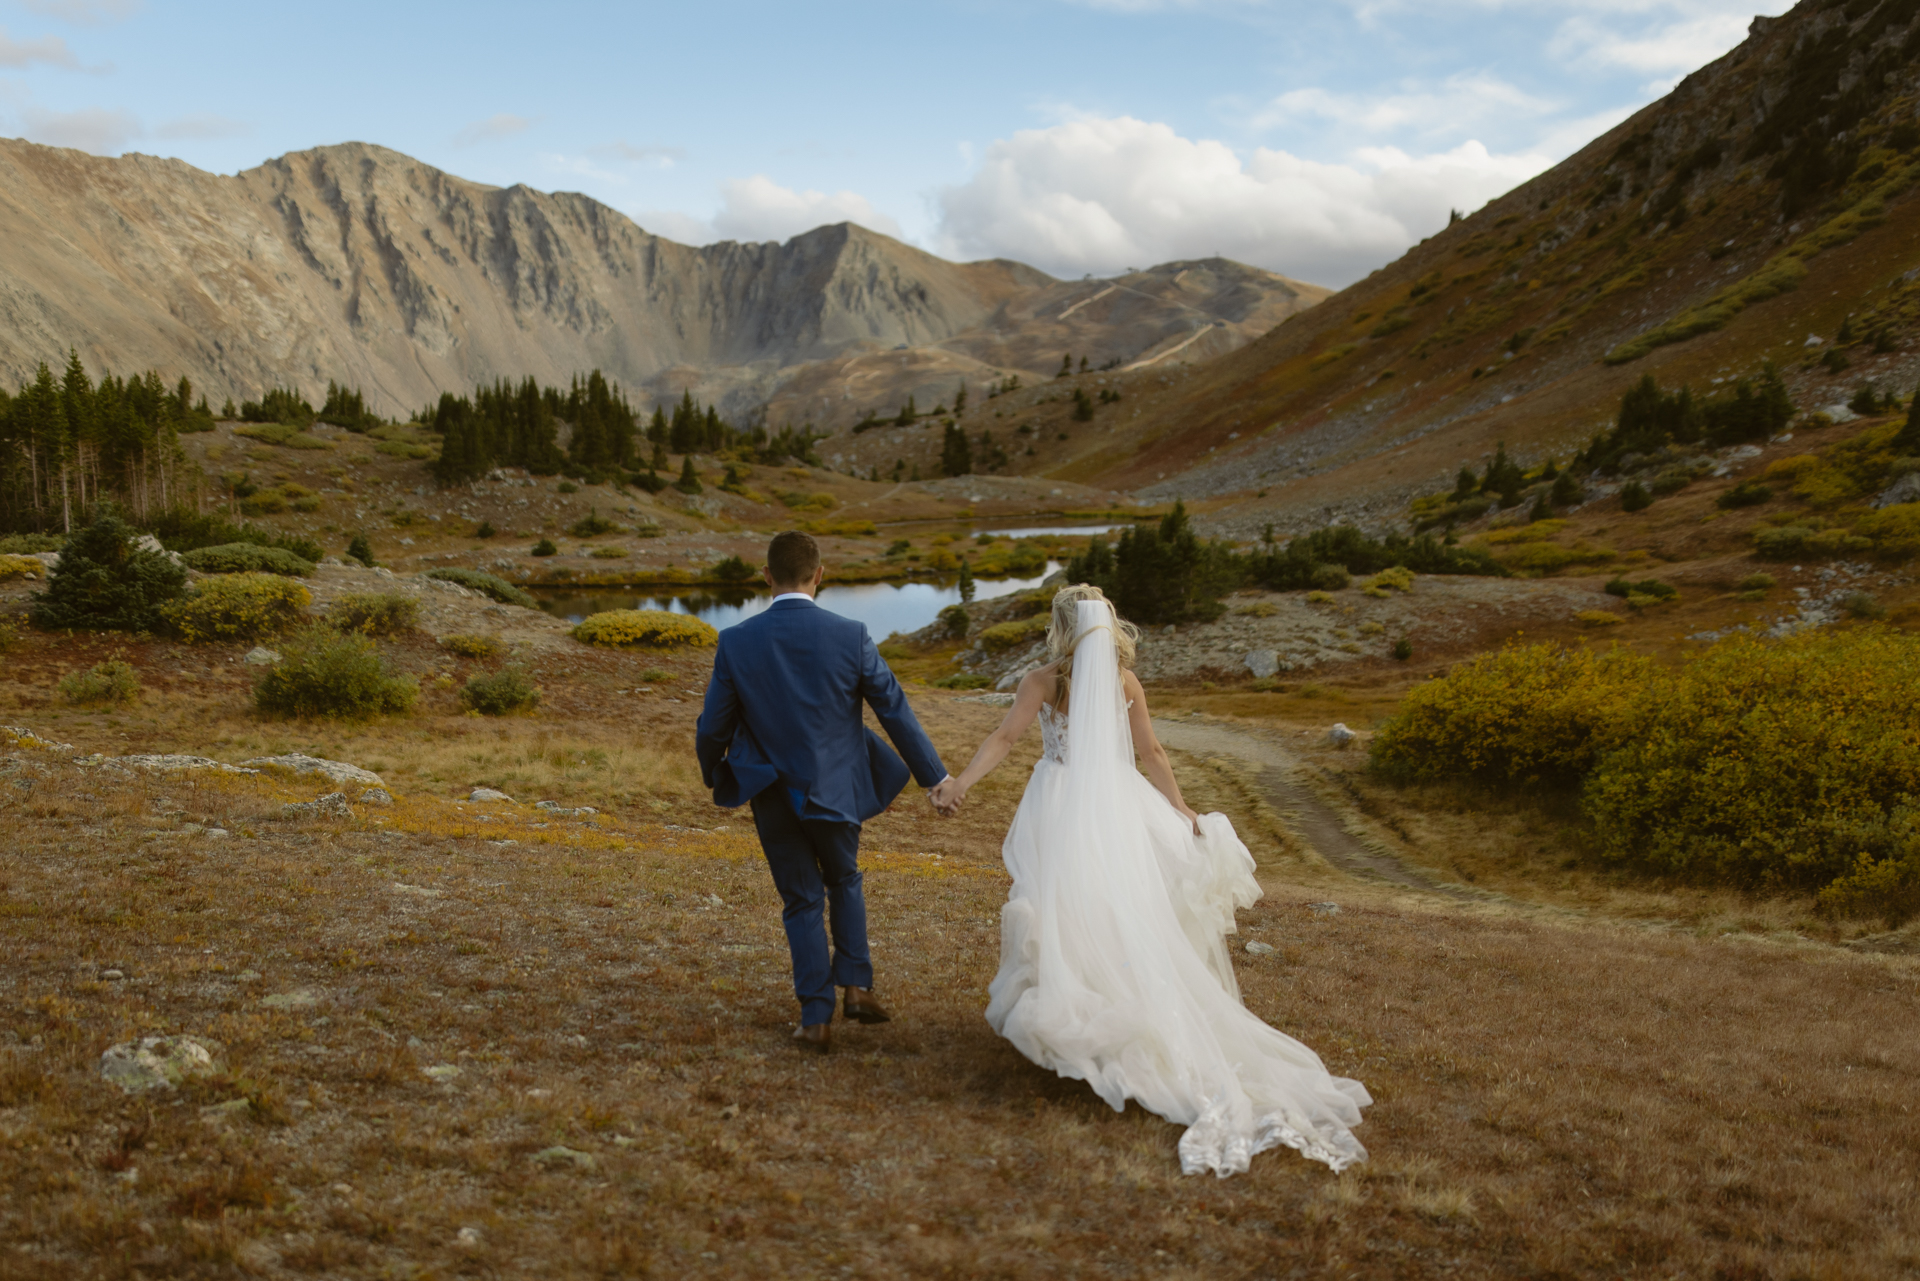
[1192, 818]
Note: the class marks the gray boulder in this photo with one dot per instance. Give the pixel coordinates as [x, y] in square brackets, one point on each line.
[157, 1062]
[1263, 663]
[376, 796]
[1905, 489]
[332, 771]
[488, 794]
[332, 805]
[1340, 736]
[261, 656]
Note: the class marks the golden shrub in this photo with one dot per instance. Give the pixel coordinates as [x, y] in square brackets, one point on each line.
[1010, 635]
[1395, 577]
[471, 646]
[647, 628]
[20, 567]
[1522, 713]
[237, 607]
[1769, 762]
[1597, 618]
[1893, 531]
[1259, 609]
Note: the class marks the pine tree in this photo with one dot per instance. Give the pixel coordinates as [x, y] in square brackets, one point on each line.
[1082, 406]
[361, 550]
[689, 482]
[956, 456]
[960, 400]
[1466, 485]
[1566, 490]
[966, 580]
[1066, 366]
[104, 582]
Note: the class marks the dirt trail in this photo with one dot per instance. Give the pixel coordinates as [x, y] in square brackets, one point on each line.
[1282, 780]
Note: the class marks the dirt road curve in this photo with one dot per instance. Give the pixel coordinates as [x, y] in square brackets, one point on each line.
[1283, 785]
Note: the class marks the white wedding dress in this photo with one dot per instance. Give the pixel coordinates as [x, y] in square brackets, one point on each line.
[1114, 966]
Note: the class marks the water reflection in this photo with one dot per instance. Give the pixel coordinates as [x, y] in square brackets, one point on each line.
[1058, 531]
[884, 607]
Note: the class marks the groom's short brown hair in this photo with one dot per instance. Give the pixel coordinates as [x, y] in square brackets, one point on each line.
[791, 558]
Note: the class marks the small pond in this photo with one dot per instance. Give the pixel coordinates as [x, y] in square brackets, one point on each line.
[884, 607]
[1060, 531]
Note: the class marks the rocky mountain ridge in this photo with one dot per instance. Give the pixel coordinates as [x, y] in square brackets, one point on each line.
[358, 264]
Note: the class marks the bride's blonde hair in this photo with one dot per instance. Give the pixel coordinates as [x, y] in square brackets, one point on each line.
[1063, 634]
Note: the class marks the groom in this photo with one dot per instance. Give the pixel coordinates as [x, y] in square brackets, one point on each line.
[781, 729]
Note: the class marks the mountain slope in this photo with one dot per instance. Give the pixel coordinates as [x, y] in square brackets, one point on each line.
[356, 263]
[1739, 220]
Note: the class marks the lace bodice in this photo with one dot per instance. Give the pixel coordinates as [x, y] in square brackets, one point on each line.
[1053, 734]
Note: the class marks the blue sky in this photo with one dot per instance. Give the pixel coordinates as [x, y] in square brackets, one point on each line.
[1083, 136]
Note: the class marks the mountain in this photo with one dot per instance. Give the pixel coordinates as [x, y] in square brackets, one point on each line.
[1762, 211]
[358, 264]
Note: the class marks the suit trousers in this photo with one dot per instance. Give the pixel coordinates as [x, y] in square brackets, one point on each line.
[815, 864]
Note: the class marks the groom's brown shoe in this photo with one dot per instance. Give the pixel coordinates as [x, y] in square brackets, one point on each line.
[862, 1008]
[815, 1036]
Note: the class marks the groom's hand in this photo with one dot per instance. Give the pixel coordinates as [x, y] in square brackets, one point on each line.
[945, 797]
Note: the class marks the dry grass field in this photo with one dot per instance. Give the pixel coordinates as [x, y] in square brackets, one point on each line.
[1556, 1098]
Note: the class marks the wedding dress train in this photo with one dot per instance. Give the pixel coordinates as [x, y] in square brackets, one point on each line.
[1114, 966]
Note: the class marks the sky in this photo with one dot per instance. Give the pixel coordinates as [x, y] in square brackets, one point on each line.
[1319, 140]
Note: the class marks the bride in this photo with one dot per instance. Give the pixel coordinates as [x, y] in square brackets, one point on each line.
[1114, 967]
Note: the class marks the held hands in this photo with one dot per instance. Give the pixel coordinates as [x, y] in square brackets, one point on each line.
[946, 796]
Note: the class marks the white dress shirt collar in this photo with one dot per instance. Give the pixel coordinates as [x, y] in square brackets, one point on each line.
[793, 596]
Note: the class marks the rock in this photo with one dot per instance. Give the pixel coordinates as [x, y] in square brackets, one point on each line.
[332, 771]
[1058, 578]
[112, 976]
[468, 1238]
[216, 833]
[332, 562]
[261, 656]
[560, 811]
[1340, 736]
[441, 1071]
[332, 805]
[301, 999]
[166, 762]
[1257, 948]
[376, 796]
[561, 1156]
[1263, 663]
[1904, 490]
[991, 700]
[157, 1062]
[1324, 909]
[148, 543]
[488, 794]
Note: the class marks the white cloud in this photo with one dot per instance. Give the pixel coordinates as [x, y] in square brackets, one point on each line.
[103, 132]
[202, 124]
[86, 12]
[758, 208]
[24, 53]
[1661, 47]
[1096, 195]
[492, 129]
[674, 225]
[1458, 104]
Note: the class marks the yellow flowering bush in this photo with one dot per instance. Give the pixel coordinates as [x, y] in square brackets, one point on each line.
[1395, 577]
[237, 607]
[648, 628]
[1519, 714]
[1894, 531]
[467, 645]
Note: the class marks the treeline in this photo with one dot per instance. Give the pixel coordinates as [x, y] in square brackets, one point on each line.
[1166, 573]
[68, 445]
[516, 425]
[1651, 419]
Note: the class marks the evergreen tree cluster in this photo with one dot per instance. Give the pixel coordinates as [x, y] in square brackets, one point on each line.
[1302, 562]
[1650, 419]
[284, 405]
[67, 446]
[347, 408]
[503, 425]
[1163, 573]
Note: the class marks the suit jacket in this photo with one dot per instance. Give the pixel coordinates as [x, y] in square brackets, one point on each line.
[783, 708]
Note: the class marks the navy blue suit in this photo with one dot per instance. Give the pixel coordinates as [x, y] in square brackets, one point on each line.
[782, 729]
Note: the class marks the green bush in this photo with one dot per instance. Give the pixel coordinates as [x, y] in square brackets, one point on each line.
[1329, 578]
[647, 628]
[238, 607]
[113, 682]
[485, 530]
[1671, 482]
[591, 525]
[243, 558]
[1748, 493]
[361, 550]
[731, 570]
[1645, 587]
[508, 690]
[184, 531]
[544, 547]
[374, 613]
[27, 544]
[324, 672]
[486, 584]
[1018, 632]
[1521, 714]
[103, 582]
[955, 621]
[1634, 497]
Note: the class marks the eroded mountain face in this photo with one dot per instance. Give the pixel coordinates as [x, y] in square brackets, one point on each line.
[357, 264]
[1742, 219]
